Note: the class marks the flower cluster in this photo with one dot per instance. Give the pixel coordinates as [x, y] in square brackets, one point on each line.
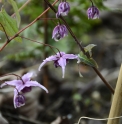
[60, 31]
[22, 86]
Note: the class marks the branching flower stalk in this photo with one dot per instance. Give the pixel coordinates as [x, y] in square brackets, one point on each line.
[24, 84]
[81, 47]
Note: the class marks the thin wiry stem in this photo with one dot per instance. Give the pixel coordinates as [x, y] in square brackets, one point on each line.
[43, 44]
[97, 119]
[48, 19]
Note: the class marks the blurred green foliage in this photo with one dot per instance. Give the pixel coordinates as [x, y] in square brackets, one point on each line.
[77, 20]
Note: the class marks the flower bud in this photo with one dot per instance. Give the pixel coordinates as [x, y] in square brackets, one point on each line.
[63, 9]
[93, 12]
[59, 32]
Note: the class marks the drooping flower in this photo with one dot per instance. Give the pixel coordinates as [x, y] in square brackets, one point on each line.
[63, 9]
[93, 12]
[19, 99]
[24, 84]
[60, 60]
[59, 32]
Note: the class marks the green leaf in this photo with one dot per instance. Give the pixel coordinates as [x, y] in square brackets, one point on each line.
[14, 5]
[88, 61]
[9, 24]
[88, 48]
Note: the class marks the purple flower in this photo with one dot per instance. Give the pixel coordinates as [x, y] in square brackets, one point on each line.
[59, 32]
[60, 60]
[93, 12]
[19, 99]
[25, 84]
[63, 9]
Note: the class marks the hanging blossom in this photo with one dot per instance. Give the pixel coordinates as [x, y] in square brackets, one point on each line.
[60, 31]
[22, 86]
[93, 12]
[60, 60]
[63, 9]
